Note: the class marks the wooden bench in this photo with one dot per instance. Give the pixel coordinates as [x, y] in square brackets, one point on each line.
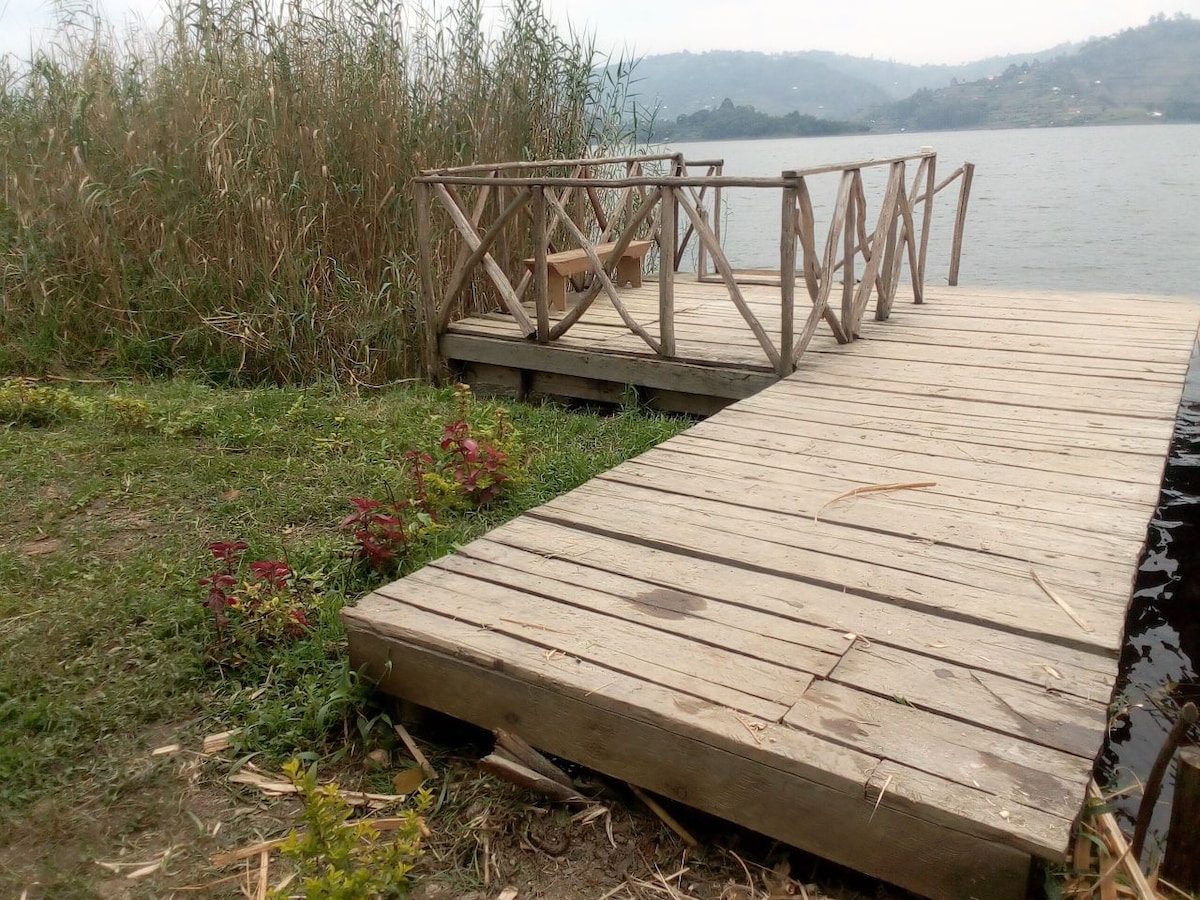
[561, 266]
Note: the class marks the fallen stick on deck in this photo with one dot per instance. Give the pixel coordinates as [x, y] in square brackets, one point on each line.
[873, 489]
[1062, 604]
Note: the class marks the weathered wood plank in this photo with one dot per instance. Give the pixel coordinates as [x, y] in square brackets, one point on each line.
[1000, 414]
[930, 538]
[1063, 349]
[1022, 775]
[976, 467]
[1036, 509]
[626, 729]
[1050, 391]
[734, 629]
[959, 444]
[709, 606]
[1016, 361]
[869, 532]
[925, 515]
[1070, 435]
[1094, 583]
[828, 562]
[984, 699]
[651, 654]
[583, 556]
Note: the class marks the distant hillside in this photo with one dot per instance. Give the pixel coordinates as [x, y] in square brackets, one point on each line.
[900, 80]
[811, 82]
[1140, 74]
[730, 122]
[683, 83]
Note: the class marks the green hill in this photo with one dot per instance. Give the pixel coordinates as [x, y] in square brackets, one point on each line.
[731, 122]
[1140, 74]
[683, 83]
[811, 82]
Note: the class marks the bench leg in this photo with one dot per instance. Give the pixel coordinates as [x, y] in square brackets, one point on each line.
[629, 269]
[556, 291]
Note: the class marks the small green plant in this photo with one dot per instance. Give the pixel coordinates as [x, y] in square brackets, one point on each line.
[337, 859]
[132, 414]
[24, 402]
[387, 530]
[478, 468]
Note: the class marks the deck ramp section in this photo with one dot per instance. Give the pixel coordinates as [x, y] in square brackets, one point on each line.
[910, 681]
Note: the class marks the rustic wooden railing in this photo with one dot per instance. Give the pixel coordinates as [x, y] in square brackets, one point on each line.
[503, 214]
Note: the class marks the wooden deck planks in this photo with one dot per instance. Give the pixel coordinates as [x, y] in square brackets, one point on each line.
[705, 622]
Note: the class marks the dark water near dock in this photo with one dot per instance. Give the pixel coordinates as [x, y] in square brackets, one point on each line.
[1098, 209]
[1162, 631]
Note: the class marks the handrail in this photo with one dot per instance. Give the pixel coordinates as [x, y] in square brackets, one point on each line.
[509, 218]
[637, 181]
[858, 164]
[548, 164]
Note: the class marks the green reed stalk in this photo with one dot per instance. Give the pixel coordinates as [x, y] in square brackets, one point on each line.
[231, 192]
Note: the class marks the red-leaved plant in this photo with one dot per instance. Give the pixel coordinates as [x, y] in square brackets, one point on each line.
[471, 470]
[265, 608]
[222, 582]
[386, 529]
[478, 468]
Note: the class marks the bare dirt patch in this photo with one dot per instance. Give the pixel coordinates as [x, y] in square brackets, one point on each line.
[155, 832]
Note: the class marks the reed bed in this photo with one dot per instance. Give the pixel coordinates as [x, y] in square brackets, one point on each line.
[230, 193]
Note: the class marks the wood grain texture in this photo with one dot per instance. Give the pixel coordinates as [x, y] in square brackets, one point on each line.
[735, 620]
[579, 711]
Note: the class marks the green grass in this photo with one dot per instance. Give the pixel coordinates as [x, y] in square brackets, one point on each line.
[107, 515]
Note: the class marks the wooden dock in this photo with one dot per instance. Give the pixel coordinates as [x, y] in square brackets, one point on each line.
[717, 359]
[911, 680]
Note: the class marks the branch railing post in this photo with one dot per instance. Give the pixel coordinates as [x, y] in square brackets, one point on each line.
[960, 220]
[431, 358]
[787, 277]
[876, 246]
[666, 272]
[848, 251]
[541, 278]
[926, 223]
[715, 226]
[502, 246]
[679, 170]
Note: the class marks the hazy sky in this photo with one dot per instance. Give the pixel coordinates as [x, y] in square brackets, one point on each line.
[915, 31]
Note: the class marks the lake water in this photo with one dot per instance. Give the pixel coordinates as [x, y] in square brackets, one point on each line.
[1112, 208]
[1104, 209]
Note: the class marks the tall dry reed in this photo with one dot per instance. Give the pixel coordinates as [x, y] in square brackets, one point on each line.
[231, 192]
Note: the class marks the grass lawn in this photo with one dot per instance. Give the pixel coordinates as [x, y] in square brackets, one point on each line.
[106, 647]
[110, 495]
